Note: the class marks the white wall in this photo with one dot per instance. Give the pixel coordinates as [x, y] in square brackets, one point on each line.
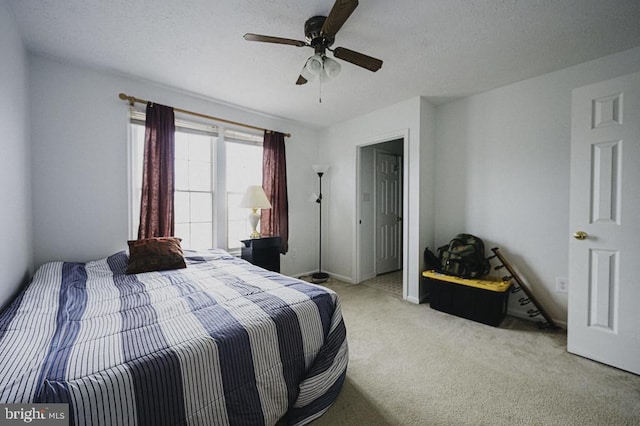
[16, 254]
[79, 136]
[503, 170]
[339, 147]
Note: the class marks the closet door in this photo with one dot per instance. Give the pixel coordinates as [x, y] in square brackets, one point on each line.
[604, 252]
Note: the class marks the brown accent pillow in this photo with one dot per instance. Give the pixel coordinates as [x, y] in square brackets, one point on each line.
[155, 254]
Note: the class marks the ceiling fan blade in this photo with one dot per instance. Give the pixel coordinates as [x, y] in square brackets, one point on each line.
[340, 12]
[301, 80]
[356, 58]
[270, 39]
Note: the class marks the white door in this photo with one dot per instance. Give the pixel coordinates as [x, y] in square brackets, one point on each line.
[604, 252]
[388, 207]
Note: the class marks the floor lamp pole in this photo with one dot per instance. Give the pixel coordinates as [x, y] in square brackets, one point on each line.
[320, 276]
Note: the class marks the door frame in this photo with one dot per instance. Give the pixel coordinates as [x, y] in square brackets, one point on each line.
[357, 234]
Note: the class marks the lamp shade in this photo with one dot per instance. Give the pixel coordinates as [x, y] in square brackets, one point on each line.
[255, 198]
[306, 74]
[331, 68]
[315, 65]
[320, 168]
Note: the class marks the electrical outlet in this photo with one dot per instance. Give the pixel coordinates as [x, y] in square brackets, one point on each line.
[562, 285]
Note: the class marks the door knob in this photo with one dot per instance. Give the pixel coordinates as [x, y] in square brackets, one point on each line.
[580, 235]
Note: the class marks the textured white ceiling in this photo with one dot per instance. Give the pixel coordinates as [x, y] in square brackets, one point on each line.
[441, 49]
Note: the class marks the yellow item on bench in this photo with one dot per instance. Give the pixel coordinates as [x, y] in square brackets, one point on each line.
[487, 283]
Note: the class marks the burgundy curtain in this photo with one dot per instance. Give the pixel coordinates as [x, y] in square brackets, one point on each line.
[275, 221]
[156, 206]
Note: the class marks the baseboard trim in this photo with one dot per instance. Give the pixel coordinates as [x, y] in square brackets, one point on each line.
[341, 278]
[413, 300]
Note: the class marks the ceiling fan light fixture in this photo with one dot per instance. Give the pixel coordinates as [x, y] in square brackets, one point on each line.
[320, 32]
[314, 65]
[331, 68]
[306, 74]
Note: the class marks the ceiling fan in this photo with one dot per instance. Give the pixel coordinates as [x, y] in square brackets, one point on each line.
[320, 32]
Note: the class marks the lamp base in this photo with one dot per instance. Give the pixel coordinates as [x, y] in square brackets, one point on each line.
[254, 218]
[319, 277]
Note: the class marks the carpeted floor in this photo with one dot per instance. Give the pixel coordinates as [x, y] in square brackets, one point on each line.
[412, 365]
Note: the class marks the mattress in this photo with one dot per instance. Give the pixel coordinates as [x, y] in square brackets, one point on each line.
[221, 342]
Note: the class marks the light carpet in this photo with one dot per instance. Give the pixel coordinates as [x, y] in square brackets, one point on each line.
[412, 365]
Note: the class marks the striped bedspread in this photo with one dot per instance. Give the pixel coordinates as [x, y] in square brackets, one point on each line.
[221, 342]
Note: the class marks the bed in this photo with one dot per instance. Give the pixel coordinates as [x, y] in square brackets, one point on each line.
[218, 342]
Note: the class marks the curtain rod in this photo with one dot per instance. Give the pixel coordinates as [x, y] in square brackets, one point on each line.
[133, 99]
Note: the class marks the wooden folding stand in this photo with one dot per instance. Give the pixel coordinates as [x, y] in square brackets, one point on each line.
[548, 323]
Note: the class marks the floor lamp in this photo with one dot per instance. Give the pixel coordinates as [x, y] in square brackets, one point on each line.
[320, 277]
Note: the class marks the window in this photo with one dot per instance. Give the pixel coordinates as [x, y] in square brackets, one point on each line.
[205, 166]
[194, 183]
[244, 168]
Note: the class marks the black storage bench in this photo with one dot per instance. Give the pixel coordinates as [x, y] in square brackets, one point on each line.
[482, 300]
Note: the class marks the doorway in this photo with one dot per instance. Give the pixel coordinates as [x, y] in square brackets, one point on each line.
[380, 214]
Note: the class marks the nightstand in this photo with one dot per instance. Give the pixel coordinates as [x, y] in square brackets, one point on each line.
[263, 252]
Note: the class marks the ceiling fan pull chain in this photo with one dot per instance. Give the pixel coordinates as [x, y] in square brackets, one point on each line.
[320, 90]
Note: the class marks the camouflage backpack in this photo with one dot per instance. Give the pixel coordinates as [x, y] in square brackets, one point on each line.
[464, 257]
